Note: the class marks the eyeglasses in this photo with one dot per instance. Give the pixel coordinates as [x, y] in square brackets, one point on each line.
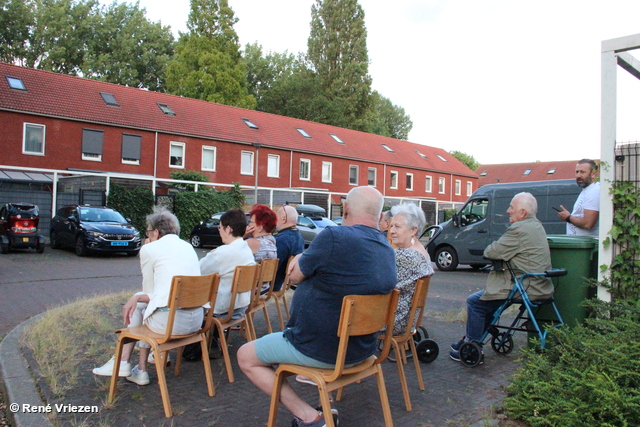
[284, 209]
[149, 231]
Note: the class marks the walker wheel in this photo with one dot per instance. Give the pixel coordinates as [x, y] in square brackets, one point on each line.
[502, 343]
[470, 354]
[420, 334]
[427, 350]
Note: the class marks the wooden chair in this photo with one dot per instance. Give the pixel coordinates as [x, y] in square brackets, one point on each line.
[361, 315]
[280, 296]
[268, 270]
[400, 342]
[244, 280]
[186, 292]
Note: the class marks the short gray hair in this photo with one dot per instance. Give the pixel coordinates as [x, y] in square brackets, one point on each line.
[527, 202]
[414, 216]
[163, 221]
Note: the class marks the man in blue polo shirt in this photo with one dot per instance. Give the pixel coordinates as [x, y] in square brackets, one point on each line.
[353, 259]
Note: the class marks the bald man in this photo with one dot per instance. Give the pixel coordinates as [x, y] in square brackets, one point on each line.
[352, 259]
[289, 241]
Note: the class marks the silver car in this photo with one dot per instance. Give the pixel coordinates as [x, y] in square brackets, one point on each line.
[310, 227]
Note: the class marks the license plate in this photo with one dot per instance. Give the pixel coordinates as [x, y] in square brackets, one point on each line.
[119, 243]
[25, 239]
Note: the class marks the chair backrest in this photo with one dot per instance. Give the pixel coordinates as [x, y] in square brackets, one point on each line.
[244, 280]
[365, 315]
[417, 304]
[268, 271]
[286, 283]
[191, 292]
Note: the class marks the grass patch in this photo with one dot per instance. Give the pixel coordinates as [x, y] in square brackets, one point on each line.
[66, 336]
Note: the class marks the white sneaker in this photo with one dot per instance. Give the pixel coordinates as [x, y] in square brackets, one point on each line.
[139, 377]
[106, 370]
[152, 360]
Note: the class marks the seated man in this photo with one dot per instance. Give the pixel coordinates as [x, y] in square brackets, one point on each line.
[353, 259]
[289, 241]
[525, 245]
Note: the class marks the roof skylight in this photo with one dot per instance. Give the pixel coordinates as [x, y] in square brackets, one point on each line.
[109, 99]
[441, 158]
[303, 133]
[249, 123]
[388, 148]
[552, 170]
[166, 109]
[336, 138]
[16, 83]
[527, 172]
[484, 173]
[424, 156]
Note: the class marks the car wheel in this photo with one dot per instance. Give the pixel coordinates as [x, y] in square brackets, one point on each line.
[55, 244]
[133, 253]
[195, 241]
[4, 248]
[446, 259]
[40, 248]
[81, 249]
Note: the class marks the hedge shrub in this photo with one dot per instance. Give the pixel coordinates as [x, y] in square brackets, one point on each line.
[133, 203]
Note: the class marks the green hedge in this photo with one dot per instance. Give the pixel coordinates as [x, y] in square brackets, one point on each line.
[133, 203]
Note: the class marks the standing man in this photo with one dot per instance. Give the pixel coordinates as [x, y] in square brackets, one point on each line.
[289, 241]
[583, 220]
[353, 259]
[525, 245]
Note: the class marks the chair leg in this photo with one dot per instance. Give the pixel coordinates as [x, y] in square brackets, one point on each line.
[326, 404]
[279, 310]
[176, 371]
[384, 399]
[403, 378]
[162, 382]
[207, 366]
[416, 363]
[266, 319]
[275, 398]
[286, 307]
[225, 353]
[114, 376]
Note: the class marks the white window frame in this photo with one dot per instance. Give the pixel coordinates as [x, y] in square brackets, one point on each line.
[409, 181]
[273, 166]
[393, 180]
[469, 188]
[327, 171]
[24, 138]
[215, 158]
[181, 145]
[357, 169]
[375, 175]
[308, 175]
[249, 156]
[458, 187]
[428, 184]
[442, 185]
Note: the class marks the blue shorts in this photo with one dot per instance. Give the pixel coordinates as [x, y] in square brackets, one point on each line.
[274, 348]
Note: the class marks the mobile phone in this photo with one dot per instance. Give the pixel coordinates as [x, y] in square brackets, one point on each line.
[555, 209]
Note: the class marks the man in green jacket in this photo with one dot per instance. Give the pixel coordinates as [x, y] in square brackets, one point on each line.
[525, 245]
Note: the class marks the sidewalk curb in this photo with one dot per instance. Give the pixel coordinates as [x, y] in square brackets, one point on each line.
[16, 380]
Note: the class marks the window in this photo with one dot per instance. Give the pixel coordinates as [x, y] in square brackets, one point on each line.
[326, 171]
[393, 180]
[305, 169]
[527, 172]
[469, 188]
[109, 99]
[552, 170]
[131, 149]
[246, 163]
[424, 156]
[428, 184]
[387, 148]
[458, 187]
[209, 158]
[410, 181]
[33, 139]
[16, 83]
[353, 175]
[441, 158]
[303, 133]
[166, 109]
[249, 123]
[273, 166]
[176, 155]
[92, 144]
[441, 184]
[336, 138]
[474, 211]
[484, 173]
[371, 177]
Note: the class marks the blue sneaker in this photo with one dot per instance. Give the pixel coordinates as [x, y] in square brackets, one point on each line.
[456, 345]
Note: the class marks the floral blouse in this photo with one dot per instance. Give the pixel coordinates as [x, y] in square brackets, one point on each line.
[410, 265]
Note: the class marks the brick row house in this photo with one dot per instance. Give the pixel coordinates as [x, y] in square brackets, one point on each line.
[51, 121]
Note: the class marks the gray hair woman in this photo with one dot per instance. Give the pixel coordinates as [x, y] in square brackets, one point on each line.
[412, 260]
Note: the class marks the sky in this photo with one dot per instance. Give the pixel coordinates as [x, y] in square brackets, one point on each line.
[502, 80]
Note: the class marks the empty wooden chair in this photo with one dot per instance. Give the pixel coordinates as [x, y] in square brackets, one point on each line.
[267, 274]
[186, 292]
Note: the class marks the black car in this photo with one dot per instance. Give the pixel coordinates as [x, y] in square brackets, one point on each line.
[206, 233]
[93, 228]
[19, 227]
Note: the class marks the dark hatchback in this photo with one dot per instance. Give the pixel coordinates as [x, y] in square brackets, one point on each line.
[93, 228]
[207, 233]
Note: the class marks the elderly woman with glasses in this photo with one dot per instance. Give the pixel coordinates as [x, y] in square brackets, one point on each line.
[412, 260]
[262, 222]
[163, 256]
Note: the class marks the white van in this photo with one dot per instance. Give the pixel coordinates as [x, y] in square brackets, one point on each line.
[483, 219]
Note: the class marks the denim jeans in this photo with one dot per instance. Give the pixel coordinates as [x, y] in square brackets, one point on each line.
[479, 315]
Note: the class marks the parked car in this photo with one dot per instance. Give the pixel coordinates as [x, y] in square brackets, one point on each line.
[19, 227]
[93, 228]
[207, 233]
[311, 221]
[338, 220]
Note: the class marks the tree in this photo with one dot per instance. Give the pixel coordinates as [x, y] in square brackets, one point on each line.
[388, 119]
[467, 159]
[128, 49]
[264, 70]
[337, 50]
[207, 65]
[15, 19]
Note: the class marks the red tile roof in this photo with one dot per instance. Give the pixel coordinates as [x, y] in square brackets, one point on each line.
[515, 172]
[76, 98]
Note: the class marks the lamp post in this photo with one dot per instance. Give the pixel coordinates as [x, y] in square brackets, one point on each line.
[257, 145]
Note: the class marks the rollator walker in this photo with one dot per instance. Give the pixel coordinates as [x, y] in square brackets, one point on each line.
[500, 335]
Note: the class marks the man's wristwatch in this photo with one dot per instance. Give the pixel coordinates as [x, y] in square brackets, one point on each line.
[568, 219]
